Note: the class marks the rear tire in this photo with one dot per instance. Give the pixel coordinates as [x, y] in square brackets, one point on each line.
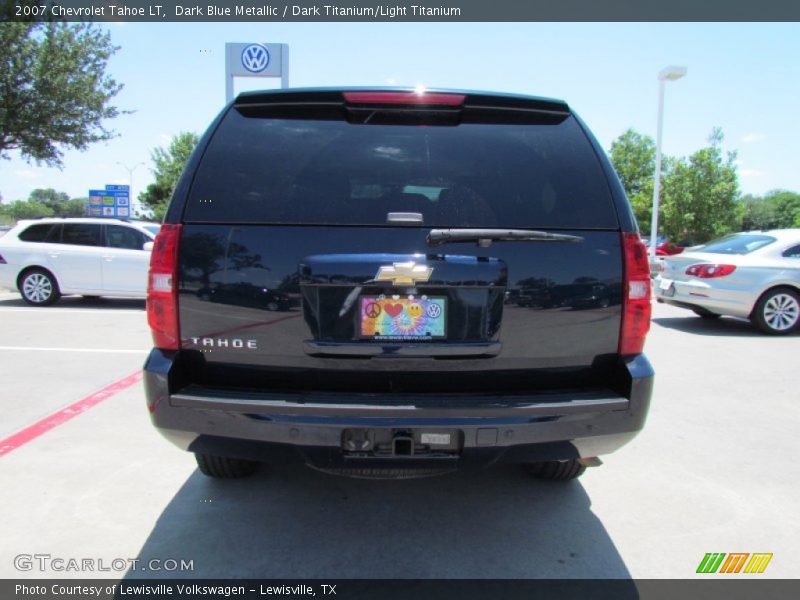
[556, 470]
[777, 312]
[39, 288]
[222, 467]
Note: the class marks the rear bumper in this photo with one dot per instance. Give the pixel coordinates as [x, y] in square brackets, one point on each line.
[310, 428]
[712, 297]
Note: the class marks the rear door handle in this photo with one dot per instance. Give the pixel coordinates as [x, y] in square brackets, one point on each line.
[108, 257]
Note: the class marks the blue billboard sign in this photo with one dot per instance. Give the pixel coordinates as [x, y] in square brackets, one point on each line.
[113, 201]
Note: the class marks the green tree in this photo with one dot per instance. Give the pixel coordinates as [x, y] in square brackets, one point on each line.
[76, 207]
[633, 157]
[54, 89]
[757, 213]
[168, 164]
[26, 209]
[700, 194]
[59, 202]
[48, 196]
[787, 207]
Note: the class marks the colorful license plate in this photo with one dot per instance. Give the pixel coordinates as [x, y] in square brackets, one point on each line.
[409, 318]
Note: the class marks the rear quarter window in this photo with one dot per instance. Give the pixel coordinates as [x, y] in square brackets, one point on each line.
[43, 232]
[265, 170]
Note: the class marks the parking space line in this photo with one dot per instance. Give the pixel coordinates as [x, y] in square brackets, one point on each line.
[65, 414]
[100, 350]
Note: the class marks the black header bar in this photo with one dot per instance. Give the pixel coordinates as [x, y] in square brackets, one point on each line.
[441, 11]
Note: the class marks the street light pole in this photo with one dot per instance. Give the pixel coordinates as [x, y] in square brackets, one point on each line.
[130, 171]
[666, 74]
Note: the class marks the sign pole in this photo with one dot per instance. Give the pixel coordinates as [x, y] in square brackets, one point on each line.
[228, 76]
[284, 66]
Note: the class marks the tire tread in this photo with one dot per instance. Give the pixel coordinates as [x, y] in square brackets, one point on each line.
[554, 470]
[222, 467]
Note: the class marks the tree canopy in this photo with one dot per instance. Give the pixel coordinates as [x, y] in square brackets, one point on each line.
[44, 202]
[777, 209]
[699, 193]
[168, 164]
[634, 158]
[55, 91]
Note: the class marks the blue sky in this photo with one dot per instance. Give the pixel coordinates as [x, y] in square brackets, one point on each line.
[742, 77]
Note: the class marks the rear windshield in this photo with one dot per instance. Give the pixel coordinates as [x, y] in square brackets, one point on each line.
[318, 172]
[737, 244]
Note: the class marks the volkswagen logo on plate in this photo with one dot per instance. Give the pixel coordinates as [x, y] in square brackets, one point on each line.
[255, 58]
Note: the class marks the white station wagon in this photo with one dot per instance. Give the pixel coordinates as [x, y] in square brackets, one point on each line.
[47, 258]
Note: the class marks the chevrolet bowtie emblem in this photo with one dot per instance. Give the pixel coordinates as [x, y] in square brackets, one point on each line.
[404, 273]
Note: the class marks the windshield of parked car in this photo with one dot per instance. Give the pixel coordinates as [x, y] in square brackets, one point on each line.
[743, 243]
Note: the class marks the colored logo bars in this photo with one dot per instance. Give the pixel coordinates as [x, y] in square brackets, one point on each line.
[716, 562]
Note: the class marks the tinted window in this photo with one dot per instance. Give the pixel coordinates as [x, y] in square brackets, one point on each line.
[39, 233]
[793, 252]
[152, 228]
[81, 234]
[334, 172]
[742, 243]
[118, 236]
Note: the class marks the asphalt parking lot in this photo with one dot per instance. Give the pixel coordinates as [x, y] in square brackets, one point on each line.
[713, 471]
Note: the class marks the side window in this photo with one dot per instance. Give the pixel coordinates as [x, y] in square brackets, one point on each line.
[40, 233]
[118, 236]
[793, 252]
[81, 234]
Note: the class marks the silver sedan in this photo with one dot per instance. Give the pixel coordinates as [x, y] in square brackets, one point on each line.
[755, 275]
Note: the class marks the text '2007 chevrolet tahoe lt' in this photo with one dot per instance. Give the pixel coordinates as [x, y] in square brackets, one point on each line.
[389, 282]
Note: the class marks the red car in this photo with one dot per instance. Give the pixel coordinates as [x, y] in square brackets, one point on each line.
[666, 247]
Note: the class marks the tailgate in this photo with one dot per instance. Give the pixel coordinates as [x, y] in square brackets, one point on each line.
[307, 262]
[302, 307]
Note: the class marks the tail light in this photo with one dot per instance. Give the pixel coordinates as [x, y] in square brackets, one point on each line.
[636, 295]
[709, 271]
[162, 289]
[423, 98]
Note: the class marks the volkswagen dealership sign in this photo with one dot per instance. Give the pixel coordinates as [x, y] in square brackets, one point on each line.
[255, 60]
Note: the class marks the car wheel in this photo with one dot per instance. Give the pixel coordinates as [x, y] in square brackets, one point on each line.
[705, 314]
[223, 467]
[39, 288]
[556, 470]
[777, 312]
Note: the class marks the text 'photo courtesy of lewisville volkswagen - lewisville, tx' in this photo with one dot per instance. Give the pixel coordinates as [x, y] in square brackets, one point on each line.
[446, 301]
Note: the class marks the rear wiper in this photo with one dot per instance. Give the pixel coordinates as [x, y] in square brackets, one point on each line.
[485, 237]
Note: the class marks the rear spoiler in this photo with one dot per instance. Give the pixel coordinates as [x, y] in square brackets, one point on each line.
[348, 103]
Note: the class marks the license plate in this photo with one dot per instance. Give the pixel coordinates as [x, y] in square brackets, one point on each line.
[665, 284]
[408, 318]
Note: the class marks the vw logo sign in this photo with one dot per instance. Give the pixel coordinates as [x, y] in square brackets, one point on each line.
[255, 58]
